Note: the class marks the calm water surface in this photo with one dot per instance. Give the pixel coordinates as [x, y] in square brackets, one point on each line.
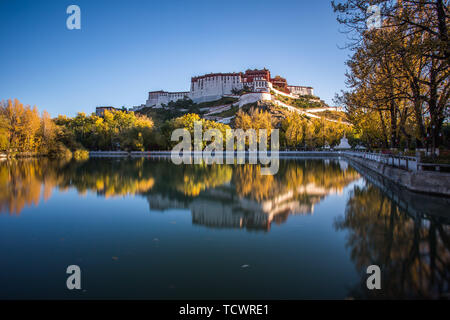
[146, 228]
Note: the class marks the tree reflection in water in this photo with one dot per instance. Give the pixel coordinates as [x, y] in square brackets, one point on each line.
[412, 250]
[405, 234]
[222, 196]
[24, 182]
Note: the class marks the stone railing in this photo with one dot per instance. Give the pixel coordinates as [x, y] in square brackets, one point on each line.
[398, 161]
[408, 163]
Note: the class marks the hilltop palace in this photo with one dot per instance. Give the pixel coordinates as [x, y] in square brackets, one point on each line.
[213, 86]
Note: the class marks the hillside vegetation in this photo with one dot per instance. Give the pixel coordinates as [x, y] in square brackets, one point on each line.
[303, 102]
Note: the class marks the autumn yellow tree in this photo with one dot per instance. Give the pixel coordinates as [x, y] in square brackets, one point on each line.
[187, 122]
[255, 119]
[20, 127]
[293, 130]
[399, 73]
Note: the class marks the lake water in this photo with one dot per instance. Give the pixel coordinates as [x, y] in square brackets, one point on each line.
[146, 228]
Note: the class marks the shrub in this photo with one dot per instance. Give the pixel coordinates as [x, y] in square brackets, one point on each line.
[81, 154]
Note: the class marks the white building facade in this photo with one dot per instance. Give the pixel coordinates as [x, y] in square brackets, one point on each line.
[301, 91]
[158, 98]
[213, 86]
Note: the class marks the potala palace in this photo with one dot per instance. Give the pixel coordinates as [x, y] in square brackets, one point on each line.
[257, 84]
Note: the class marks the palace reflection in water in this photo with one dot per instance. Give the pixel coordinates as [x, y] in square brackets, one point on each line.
[217, 195]
[407, 235]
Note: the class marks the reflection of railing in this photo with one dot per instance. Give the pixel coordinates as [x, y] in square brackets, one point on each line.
[408, 163]
[414, 204]
[108, 153]
[436, 166]
[125, 153]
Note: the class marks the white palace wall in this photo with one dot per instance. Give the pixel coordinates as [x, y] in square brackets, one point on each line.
[253, 97]
[212, 87]
[159, 98]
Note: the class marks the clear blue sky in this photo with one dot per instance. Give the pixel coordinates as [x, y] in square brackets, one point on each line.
[127, 48]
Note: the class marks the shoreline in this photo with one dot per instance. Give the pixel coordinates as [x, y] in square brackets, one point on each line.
[97, 154]
[425, 182]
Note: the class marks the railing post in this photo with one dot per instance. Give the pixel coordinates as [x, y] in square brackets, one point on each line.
[418, 161]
